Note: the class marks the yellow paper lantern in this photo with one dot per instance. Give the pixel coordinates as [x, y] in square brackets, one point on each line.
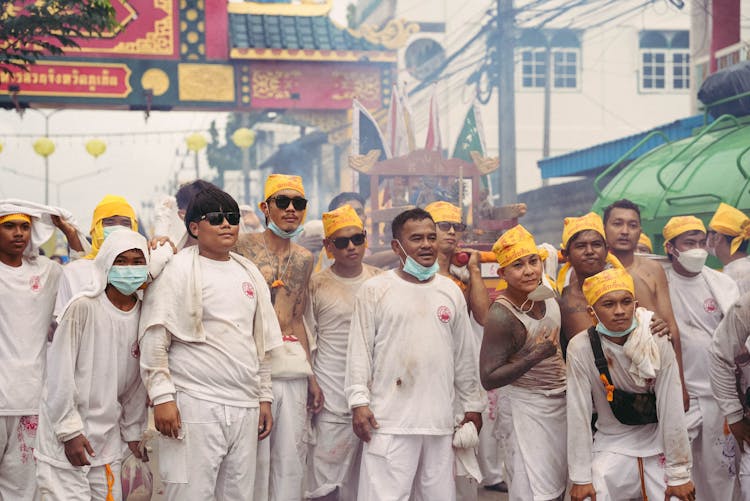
[44, 147]
[243, 137]
[196, 142]
[96, 147]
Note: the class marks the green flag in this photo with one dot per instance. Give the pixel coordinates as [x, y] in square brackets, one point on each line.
[471, 138]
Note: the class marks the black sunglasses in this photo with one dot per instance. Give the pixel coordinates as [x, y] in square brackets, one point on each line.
[446, 226]
[217, 218]
[343, 242]
[282, 202]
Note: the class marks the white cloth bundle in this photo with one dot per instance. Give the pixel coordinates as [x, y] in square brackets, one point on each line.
[642, 350]
[465, 442]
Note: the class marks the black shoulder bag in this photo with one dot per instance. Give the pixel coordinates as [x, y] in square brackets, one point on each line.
[628, 408]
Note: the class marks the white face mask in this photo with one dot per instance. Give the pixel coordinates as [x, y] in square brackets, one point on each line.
[692, 260]
[543, 291]
[711, 245]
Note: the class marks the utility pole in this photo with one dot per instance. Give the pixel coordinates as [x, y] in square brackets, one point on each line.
[506, 101]
[245, 122]
[547, 101]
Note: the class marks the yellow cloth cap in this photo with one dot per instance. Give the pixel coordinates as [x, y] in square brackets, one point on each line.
[339, 218]
[444, 211]
[514, 244]
[732, 222]
[644, 240]
[573, 225]
[15, 217]
[277, 182]
[681, 224]
[611, 279]
[110, 205]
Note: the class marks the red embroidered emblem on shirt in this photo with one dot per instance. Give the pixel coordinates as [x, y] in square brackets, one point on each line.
[247, 288]
[709, 305]
[135, 350]
[36, 283]
[444, 314]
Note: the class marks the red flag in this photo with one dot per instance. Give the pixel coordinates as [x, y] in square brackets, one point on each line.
[433, 141]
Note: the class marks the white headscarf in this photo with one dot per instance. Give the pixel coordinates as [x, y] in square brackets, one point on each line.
[114, 245]
[42, 227]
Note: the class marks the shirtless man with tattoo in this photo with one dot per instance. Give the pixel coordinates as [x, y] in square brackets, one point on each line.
[622, 228]
[287, 268]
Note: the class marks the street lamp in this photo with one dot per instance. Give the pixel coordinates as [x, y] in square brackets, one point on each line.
[45, 147]
[244, 138]
[195, 143]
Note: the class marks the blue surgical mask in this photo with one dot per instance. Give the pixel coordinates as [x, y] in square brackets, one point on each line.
[284, 234]
[601, 329]
[108, 230]
[127, 279]
[413, 268]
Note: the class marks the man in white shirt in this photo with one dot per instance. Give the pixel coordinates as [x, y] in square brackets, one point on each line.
[28, 284]
[727, 239]
[700, 298]
[206, 327]
[729, 355]
[333, 465]
[409, 353]
[93, 395]
[632, 455]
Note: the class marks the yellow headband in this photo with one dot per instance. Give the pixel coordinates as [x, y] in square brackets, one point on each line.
[732, 222]
[339, 218]
[277, 182]
[573, 225]
[15, 217]
[444, 211]
[514, 244]
[110, 205]
[644, 240]
[612, 279]
[681, 224]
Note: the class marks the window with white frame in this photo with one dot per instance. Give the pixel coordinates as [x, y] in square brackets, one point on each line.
[664, 61]
[564, 59]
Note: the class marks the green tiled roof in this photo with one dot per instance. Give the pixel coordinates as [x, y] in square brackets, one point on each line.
[248, 31]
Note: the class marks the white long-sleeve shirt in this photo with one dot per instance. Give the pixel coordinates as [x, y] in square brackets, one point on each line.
[669, 435]
[409, 353]
[27, 297]
[730, 340]
[328, 316]
[739, 270]
[93, 386]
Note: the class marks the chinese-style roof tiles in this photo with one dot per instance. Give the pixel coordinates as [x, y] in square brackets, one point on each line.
[249, 31]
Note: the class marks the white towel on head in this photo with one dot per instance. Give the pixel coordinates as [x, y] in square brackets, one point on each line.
[465, 442]
[42, 227]
[642, 349]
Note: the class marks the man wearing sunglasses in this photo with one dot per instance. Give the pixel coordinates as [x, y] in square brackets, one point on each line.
[409, 355]
[206, 331]
[450, 229]
[286, 267]
[333, 466]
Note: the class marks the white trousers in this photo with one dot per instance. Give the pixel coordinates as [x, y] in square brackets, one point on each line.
[280, 469]
[616, 477]
[714, 470]
[17, 464]
[537, 444]
[333, 458]
[491, 453]
[745, 475]
[77, 484]
[215, 459]
[394, 466]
